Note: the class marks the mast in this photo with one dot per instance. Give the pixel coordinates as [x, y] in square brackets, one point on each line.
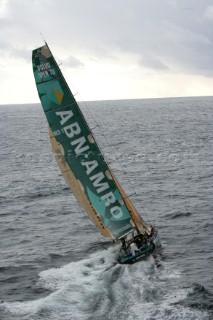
[80, 159]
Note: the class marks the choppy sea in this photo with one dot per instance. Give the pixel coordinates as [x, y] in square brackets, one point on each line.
[55, 265]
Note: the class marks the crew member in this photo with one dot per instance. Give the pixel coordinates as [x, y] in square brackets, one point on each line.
[133, 247]
[124, 245]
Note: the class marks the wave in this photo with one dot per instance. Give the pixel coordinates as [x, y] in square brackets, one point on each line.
[199, 298]
[178, 214]
[99, 288]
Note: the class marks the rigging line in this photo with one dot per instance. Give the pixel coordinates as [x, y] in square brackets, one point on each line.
[137, 196]
[93, 128]
[42, 37]
[101, 133]
[116, 158]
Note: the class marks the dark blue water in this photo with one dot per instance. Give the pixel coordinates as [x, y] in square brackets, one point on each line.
[55, 264]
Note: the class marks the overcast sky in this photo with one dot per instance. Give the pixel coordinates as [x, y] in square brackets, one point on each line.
[109, 49]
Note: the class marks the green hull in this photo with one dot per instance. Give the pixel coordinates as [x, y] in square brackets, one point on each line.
[128, 259]
[152, 246]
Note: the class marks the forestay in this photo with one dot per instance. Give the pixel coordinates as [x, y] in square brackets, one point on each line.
[78, 155]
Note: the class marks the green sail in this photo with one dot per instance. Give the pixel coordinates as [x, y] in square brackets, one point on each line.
[79, 149]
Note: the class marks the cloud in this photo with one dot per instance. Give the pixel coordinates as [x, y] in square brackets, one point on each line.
[3, 8]
[15, 52]
[160, 32]
[72, 62]
[153, 63]
[163, 36]
[209, 13]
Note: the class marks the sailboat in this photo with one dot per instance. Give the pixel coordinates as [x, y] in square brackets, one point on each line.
[83, 166]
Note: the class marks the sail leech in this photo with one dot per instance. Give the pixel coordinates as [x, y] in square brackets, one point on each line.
[77, 153]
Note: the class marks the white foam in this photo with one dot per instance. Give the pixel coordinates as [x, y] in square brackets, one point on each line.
[98, 287]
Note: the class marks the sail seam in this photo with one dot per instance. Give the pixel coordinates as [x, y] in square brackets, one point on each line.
[66, 105]
[111, 211]
[45, 81]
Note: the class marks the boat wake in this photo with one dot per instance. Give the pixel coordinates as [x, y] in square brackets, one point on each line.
[98, 288]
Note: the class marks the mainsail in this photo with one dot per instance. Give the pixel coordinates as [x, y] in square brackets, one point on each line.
[78, 155]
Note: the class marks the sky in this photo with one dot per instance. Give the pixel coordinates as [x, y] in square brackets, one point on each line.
[109, 49]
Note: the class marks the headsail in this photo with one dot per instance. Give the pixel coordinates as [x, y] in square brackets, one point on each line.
[77, 153]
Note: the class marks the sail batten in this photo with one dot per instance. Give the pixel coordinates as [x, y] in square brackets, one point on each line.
[78, 155]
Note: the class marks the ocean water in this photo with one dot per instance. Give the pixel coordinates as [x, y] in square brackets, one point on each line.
[54, 264]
